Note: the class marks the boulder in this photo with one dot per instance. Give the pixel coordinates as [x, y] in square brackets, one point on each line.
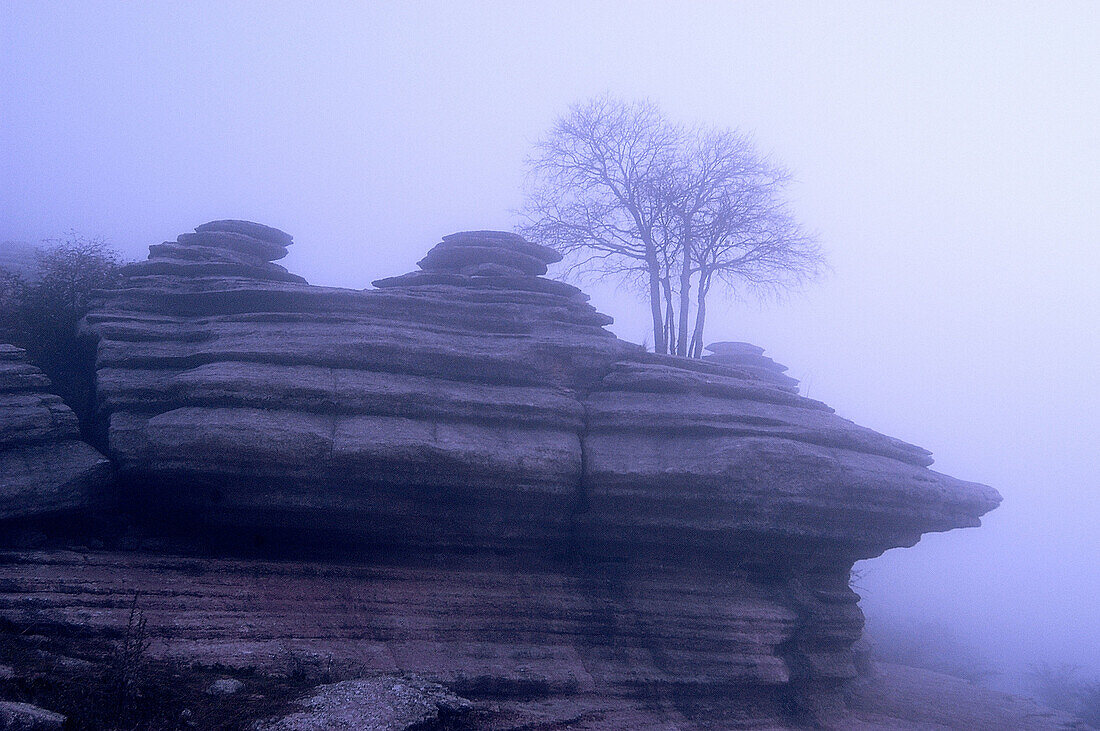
[225, 686]
[260, 249]
[731, 348]
[749, 359]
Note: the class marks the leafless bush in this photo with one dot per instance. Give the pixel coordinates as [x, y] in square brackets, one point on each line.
[130, 662]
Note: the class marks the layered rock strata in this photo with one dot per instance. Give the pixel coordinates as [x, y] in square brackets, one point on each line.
[620, 645]
[44, 466]
[660, 525]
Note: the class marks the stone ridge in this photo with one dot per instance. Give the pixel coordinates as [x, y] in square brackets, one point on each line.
[561, 638]
[44, 467]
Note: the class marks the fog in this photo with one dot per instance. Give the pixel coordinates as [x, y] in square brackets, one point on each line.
[947, 155]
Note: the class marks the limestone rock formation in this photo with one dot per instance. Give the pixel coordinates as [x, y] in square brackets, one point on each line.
[553, 513]
[44, 466]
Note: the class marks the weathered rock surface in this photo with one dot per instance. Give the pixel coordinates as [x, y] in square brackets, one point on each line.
[497, 398]
[248, 228]
[44, 466]
[25, 717]
[553, 514]
[225, 686]
[538, 639]
[382, 703]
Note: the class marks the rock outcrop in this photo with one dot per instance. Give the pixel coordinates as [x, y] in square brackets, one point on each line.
[44, 466]
[552, 516]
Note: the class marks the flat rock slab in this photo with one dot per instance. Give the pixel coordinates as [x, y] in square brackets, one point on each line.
[454, 257]
[504, 240]
[385, 703]
[248, 228]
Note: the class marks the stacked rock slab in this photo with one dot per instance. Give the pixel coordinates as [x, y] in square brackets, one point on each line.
[599, 521]
[44, 466]
[220, 249]
[750, 358]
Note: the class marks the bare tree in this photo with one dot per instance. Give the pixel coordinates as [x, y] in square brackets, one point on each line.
[596, 193]
[744, 236]
[624, 193]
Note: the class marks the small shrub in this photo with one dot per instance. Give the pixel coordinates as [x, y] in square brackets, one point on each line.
[42, 316]
[128, 666]
[12, 293]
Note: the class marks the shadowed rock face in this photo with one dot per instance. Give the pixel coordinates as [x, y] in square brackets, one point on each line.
[656, 524]
[44, 467]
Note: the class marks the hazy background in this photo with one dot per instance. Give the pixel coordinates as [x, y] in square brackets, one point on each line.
[947, 153]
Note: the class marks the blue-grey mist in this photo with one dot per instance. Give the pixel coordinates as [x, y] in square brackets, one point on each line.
[946, 153]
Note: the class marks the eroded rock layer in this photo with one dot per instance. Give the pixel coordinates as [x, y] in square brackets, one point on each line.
[477, 408]
[625, 644]
[44, 467]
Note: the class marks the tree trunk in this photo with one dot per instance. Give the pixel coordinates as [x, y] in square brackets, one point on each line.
[685, 306]
[670, 315]
[660, 344]
[700, 318]
[685, 291]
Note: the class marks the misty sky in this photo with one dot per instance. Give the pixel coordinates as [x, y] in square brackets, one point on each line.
[947, 153]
